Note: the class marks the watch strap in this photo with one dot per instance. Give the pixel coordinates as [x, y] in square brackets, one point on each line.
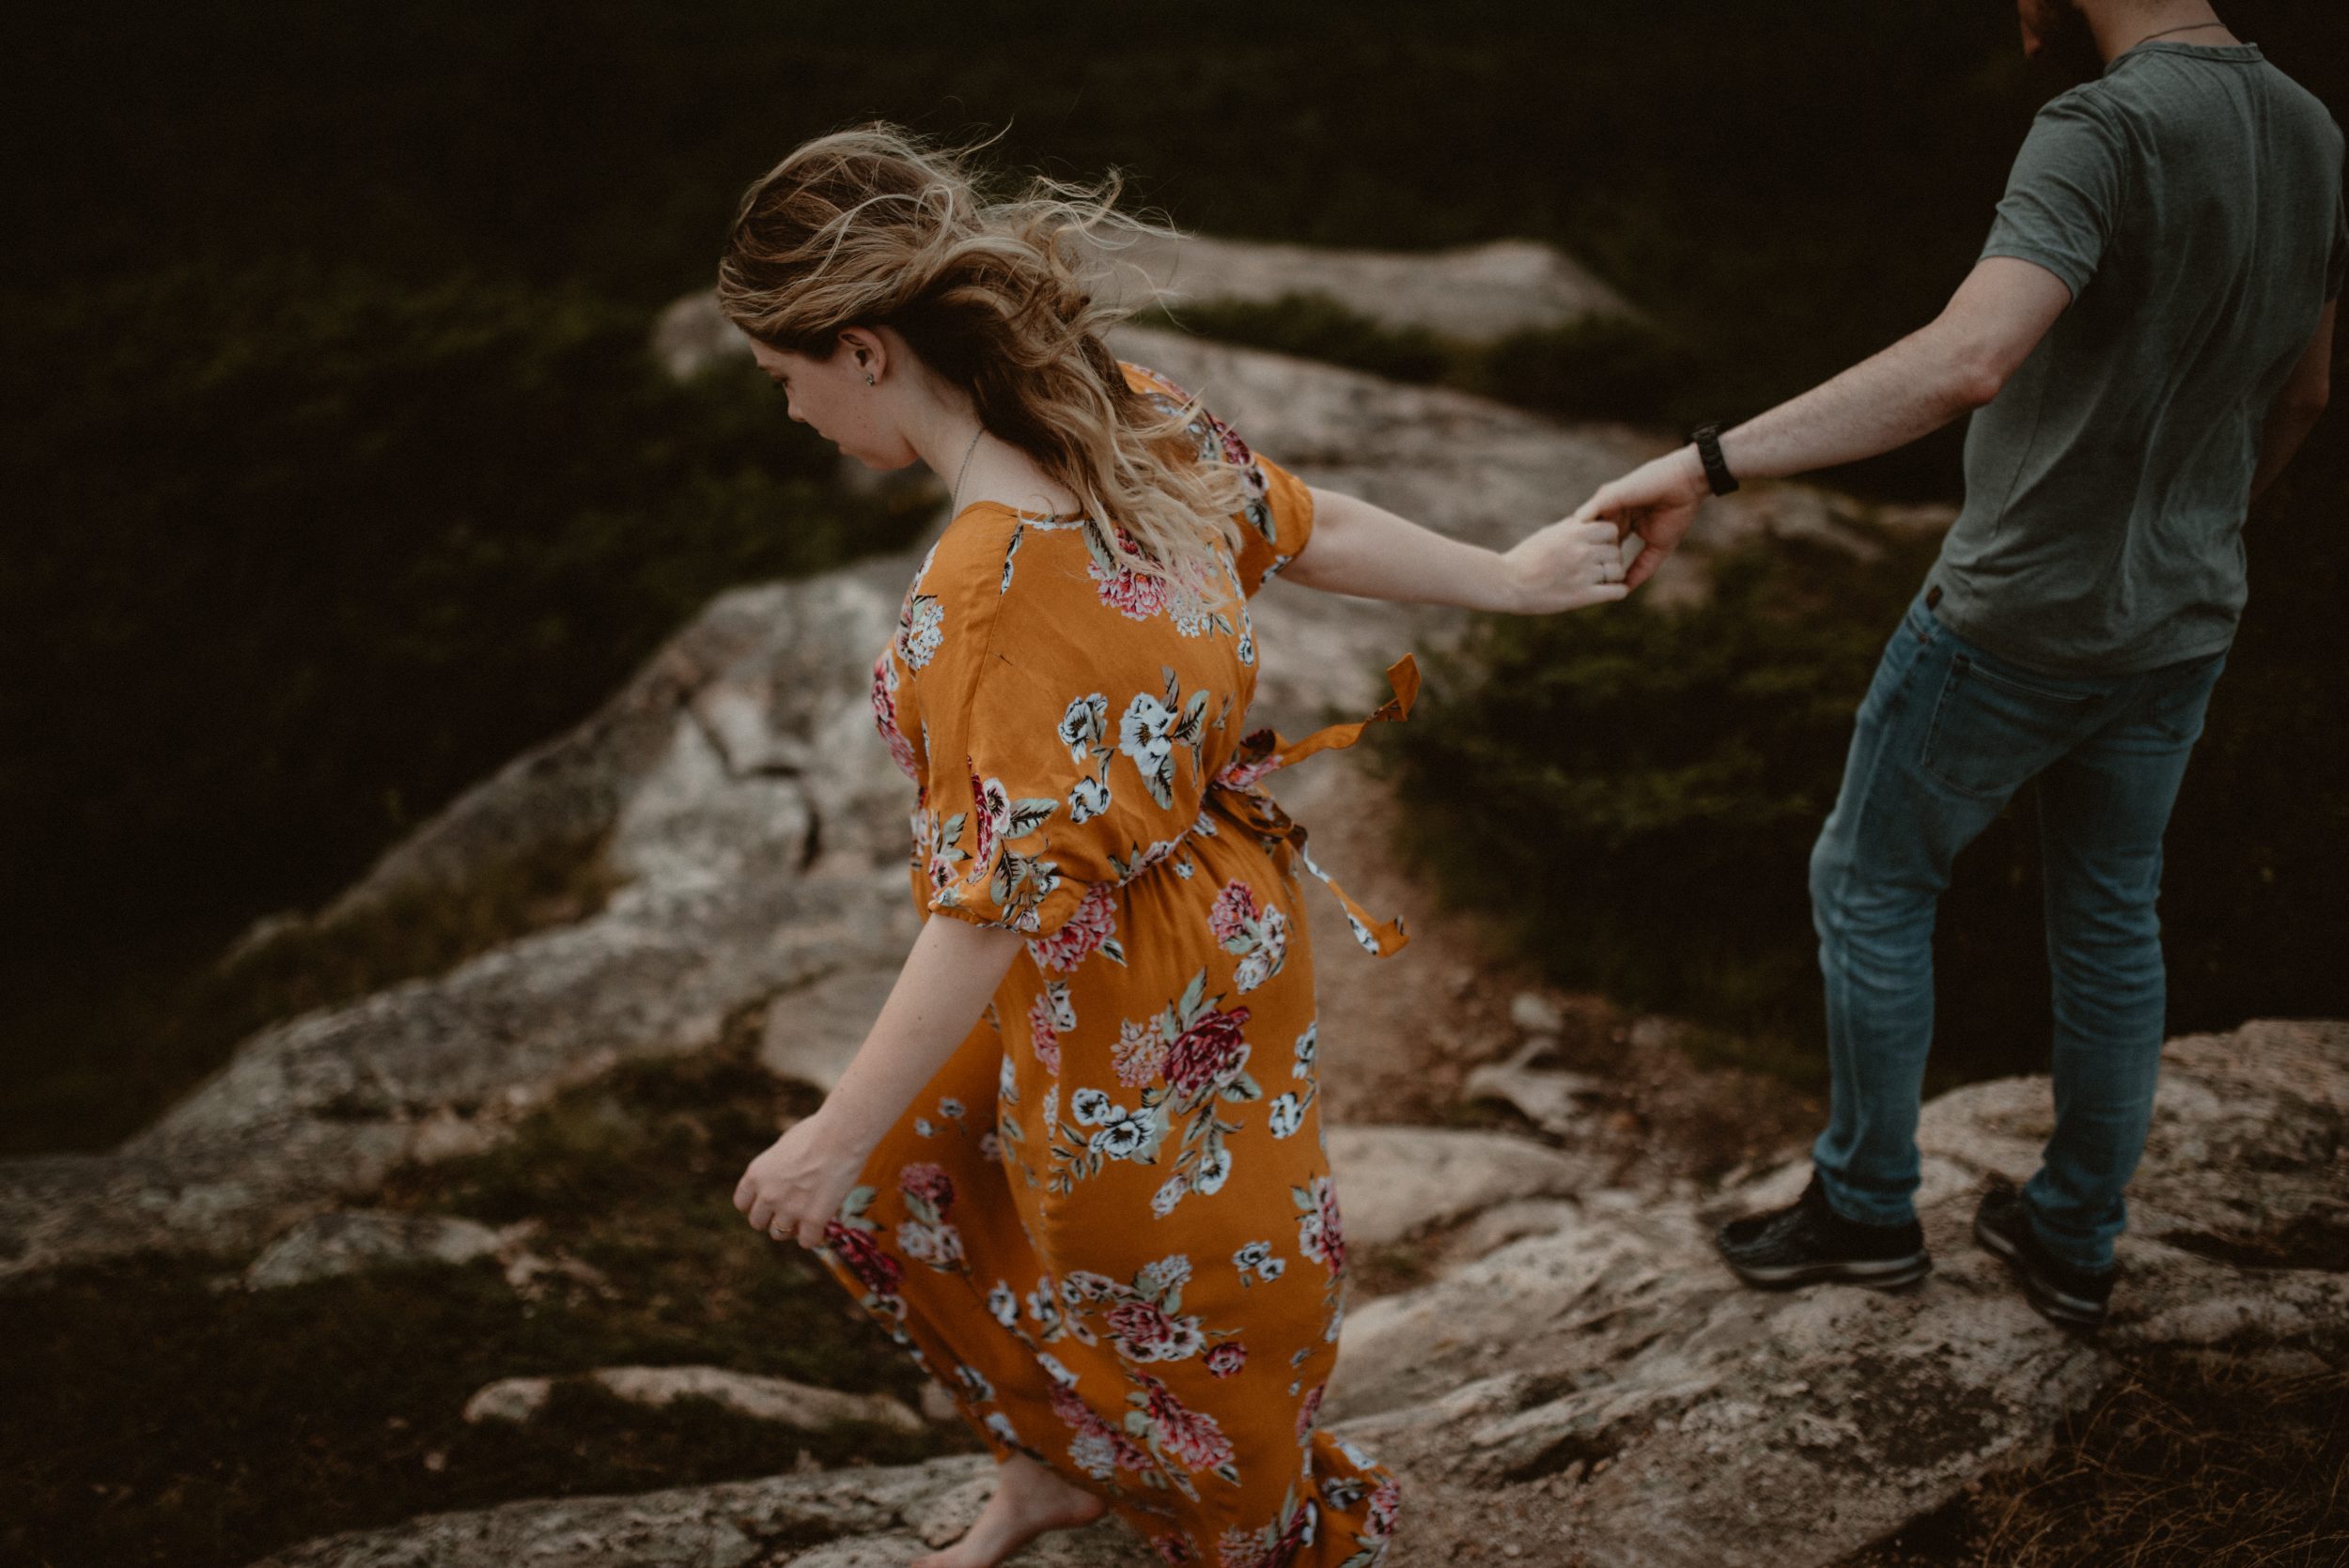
[1708, 440]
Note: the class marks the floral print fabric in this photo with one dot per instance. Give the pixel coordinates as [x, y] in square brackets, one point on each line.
[1107, 1225]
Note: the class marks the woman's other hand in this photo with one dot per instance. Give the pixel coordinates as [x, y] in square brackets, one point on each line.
[1568, 565]
[795, 1188]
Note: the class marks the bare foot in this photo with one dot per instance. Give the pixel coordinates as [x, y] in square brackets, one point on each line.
[1029, 1499]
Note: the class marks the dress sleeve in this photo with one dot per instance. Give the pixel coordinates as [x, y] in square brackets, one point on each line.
[1278, 518]
[1059, 750]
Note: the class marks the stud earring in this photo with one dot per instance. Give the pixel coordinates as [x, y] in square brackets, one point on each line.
[868, 377]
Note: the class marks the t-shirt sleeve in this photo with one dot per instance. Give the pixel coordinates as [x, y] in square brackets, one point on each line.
[2064, 199]
[1058, 751]
[2337, 268]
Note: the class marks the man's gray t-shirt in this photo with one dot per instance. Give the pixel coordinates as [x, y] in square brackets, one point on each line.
[2190, 199]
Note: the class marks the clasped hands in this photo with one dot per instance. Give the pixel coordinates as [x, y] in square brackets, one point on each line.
[1578, 561]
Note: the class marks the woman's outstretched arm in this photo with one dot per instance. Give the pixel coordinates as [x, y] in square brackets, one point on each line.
[1367, 551]
[947, 981]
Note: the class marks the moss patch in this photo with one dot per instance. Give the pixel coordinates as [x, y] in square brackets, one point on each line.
[157, 1414]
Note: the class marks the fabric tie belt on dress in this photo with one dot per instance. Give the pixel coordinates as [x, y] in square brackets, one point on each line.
[1263, 750]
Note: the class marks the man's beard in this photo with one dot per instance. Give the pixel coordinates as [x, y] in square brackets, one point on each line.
[2069, 56]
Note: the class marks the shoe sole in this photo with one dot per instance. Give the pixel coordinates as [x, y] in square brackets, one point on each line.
[1876, 1273]
[2068, 1311]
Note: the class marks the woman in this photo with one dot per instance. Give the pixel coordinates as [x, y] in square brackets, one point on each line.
[1077, 1165]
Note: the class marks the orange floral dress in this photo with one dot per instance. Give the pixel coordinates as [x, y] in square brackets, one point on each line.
[1107, 1225]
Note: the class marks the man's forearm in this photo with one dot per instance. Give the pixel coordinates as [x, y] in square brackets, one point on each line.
[1909, 391]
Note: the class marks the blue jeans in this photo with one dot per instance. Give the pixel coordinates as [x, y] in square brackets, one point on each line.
[1946, 735]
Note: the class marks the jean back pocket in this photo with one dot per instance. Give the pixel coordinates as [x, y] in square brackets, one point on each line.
[1993, 729]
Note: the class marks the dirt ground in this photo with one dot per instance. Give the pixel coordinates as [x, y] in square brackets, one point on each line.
[1401, 1035]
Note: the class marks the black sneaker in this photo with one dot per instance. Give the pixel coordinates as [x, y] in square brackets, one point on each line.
[1808, 1243]
[2063, 1292]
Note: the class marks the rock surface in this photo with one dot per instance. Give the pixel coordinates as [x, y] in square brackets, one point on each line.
[349, 1242]
[1556, 1102]
[736, 784]
[1738, 1428]
[1601, 1392]
[866, 1519]
[767, 1399]
[1400, 1182]
[1474, 293]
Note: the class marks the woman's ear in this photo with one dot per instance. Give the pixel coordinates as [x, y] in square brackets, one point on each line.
[866, 350]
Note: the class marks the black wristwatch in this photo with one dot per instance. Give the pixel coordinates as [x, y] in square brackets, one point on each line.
[1708, 440]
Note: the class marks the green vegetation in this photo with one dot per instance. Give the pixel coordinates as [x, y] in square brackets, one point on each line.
[1636, 794]
[157, 1417]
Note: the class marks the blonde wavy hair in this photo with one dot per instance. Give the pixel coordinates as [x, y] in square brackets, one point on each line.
[872, 227]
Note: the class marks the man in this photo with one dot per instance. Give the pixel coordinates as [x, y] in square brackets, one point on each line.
[2147, 339]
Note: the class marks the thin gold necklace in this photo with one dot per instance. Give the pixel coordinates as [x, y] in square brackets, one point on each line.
[955, 505]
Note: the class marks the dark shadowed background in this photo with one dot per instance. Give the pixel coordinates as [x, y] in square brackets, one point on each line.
[336, 473]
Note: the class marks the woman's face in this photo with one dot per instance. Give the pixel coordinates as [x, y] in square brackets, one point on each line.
[832, 397]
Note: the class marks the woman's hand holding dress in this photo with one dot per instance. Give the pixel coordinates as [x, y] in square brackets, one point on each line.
[793, 1190]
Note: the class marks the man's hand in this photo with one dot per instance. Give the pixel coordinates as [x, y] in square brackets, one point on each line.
[797, 1186]
[1567, 566]
[1657, 502]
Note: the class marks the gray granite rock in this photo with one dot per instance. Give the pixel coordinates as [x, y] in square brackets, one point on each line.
[868, 1515]
[1474, 293]
[1552, 1099]
[1600, 1390]
[351, 1242]
[1399, 1182]
[813, 1033]
[768, 1398]
[762, 853]
[1636, 1407]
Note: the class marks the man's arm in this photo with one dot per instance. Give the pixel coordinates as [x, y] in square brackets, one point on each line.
[1948, 368]
[2298, 406]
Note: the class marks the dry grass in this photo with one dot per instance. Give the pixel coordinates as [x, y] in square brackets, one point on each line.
[2191, 1459]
